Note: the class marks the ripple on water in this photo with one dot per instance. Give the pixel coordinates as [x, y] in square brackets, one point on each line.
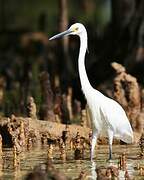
[71, 168]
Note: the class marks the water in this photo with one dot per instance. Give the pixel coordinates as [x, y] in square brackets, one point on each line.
[71, 168]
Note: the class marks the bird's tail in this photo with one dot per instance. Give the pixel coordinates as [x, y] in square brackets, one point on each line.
[127, 137]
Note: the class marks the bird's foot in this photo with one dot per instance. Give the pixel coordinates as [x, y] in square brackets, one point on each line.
[91, 159]
[109, 160]
[91, 156]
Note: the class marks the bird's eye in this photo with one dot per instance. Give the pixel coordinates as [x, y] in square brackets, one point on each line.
[76, 29]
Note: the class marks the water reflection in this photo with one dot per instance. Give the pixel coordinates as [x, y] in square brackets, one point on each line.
[72, 168]
[93, 170]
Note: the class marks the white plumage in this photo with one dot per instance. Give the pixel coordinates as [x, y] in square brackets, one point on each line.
[108, 117]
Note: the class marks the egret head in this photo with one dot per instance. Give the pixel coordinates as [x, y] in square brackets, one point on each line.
[75, 29]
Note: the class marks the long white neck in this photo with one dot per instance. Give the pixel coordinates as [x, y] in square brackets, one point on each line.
[86, 86]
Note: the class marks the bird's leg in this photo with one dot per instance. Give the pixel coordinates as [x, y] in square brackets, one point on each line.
[94, 140]
[110, 137]
[110, 151]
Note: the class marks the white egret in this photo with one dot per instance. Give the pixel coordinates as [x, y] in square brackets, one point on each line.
[108, 117]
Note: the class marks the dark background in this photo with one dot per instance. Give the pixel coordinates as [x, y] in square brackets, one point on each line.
[115, 30]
